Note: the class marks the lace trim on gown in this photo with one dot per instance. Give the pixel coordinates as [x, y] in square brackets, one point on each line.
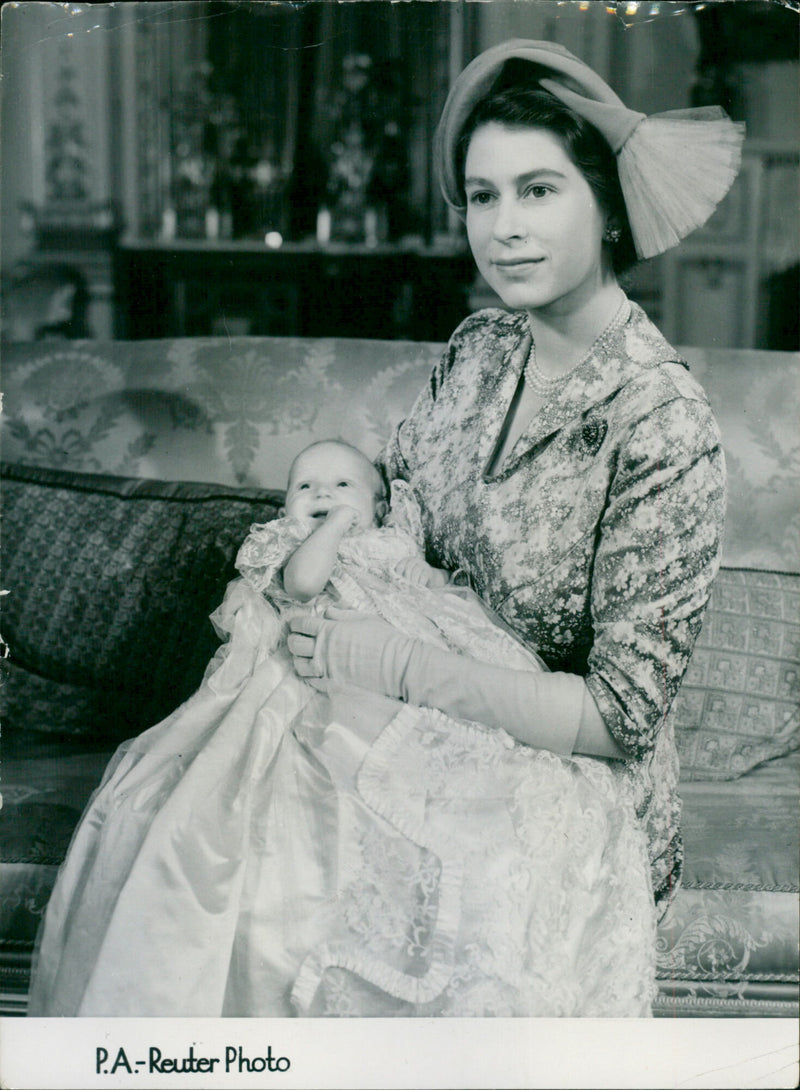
[441, 944]
[484, 932]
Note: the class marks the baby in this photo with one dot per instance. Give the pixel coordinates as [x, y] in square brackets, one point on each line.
[340, 542]
[427, 806]
[334, 488]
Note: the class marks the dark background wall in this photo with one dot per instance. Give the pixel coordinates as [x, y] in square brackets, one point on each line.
[154, 147]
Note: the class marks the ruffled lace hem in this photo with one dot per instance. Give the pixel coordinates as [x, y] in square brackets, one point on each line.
[483, 932]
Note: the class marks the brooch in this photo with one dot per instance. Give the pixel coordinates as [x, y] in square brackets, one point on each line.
[592, 435]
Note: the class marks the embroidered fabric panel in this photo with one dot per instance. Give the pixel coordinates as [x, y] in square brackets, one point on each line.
[740, 701]
[233, 410]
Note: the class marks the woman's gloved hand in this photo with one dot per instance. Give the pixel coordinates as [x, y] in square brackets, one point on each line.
[350, 648]
[344, 647]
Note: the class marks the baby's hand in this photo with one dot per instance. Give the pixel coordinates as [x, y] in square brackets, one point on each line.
[342, 516]
[417, 571]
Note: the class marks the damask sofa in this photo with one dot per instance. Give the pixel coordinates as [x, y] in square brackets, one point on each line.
[114, 555]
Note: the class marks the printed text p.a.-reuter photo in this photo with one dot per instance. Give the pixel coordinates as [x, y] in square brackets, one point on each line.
[111, 1061]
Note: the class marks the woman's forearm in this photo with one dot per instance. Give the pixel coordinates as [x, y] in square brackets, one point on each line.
[552, 711]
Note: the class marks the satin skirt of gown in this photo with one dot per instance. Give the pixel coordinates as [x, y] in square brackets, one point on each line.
[270, 851]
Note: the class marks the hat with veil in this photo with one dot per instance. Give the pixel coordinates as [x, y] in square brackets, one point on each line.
[674, 168]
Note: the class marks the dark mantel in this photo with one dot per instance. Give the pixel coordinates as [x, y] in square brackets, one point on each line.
[186, 287]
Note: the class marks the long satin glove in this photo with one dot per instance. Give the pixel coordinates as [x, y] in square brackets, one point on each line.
[540, 709]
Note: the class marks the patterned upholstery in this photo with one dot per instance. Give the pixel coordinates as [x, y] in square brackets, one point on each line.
[106, 573]
[236, 411]
[729, 941]
[739, 704]
[230, 411]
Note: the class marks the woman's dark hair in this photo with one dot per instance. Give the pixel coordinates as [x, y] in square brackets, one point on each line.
[516, 103]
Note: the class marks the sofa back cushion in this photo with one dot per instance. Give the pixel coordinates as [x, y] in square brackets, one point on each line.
[233, 410]
[110, 584]
[739, 704]
[236, 410]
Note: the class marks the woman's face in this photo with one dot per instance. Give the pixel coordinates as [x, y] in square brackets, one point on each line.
[534, 224]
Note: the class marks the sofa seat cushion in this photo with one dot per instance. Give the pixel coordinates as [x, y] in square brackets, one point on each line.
[47, 781]
[742, 834]
[45, 790]
[733, 926]
[111, 582]
[26, 892]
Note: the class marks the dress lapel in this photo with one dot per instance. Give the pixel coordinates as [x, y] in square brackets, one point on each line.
[498, 403]
[614, 360]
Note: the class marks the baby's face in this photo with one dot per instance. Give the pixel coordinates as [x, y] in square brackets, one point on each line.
[329, 476]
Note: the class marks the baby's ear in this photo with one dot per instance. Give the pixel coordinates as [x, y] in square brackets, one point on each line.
[381, 511]
[281, 512]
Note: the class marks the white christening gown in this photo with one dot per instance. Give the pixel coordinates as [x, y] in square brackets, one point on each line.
[268, 850]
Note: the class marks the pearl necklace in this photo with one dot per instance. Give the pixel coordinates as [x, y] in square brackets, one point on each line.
[545, 386]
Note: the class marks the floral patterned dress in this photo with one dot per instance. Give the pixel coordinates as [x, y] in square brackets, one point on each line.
[268, 850]
[598, 536]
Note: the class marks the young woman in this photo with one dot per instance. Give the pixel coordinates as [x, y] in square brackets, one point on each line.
[567, 461]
